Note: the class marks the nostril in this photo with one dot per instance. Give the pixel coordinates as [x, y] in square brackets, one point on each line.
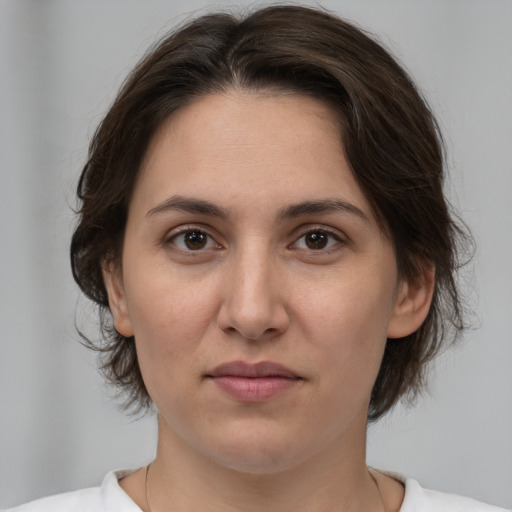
[252, 320]
[252, 336]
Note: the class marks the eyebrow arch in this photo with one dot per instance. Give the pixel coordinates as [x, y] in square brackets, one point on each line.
[202, 207]
[189, 205]
[322, 206]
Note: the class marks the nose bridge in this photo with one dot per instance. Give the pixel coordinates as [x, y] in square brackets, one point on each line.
[252, 284]
[252, 304]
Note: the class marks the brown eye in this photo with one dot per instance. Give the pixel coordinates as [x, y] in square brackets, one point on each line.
[317, 240]
[193, 240]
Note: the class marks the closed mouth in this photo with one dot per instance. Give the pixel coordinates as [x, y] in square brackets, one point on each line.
[253, 383]
[263, 369]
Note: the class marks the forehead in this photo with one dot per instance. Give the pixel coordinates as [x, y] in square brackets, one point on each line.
[249, 150]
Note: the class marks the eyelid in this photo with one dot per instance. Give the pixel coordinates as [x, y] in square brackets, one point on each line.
[180, 230]
[340, 237]
[300, 232]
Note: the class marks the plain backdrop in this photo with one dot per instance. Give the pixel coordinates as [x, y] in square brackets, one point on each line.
[61, 62]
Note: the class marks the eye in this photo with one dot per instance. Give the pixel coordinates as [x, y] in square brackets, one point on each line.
[317, 240]
[193, 240]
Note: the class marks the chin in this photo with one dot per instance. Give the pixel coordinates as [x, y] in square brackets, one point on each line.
[256, 460]
[258, 451]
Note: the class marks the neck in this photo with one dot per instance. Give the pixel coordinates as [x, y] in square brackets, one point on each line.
[335, 478]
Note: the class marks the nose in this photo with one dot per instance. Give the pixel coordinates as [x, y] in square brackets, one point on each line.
[254, 299]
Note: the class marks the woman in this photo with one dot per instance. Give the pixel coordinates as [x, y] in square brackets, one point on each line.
[264, 229]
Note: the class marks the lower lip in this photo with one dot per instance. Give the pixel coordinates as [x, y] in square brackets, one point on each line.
[254, 390]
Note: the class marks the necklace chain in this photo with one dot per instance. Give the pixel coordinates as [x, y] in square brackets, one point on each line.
[149, 508]
[378, 490]
[146, 486]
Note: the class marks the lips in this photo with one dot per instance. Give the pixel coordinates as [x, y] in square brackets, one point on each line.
[252, 371]
[253, 382]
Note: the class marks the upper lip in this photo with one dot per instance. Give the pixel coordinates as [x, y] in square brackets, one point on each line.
[252, 370]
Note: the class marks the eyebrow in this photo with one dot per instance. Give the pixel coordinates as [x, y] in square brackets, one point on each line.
[202, 207]
[323, 206]
[189, 205]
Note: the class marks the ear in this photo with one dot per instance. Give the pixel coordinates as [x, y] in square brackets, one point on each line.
[112, 277]
[412, 304]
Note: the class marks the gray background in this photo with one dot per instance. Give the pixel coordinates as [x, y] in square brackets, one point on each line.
[60, 65]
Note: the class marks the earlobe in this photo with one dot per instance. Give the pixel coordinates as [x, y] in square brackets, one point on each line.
[412, 304]
[117, 298]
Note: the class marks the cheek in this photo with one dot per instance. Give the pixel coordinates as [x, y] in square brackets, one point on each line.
[353, 303]
[170, 317]
[347, 325]
[165, 303]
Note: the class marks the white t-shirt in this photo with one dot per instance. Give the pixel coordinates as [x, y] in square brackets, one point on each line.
[111, 498]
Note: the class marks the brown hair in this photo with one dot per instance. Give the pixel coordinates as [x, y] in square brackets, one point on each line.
[390, 137]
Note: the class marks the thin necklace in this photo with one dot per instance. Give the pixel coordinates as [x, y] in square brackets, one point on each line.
[146, 486]
[370, 473]
[378, 490]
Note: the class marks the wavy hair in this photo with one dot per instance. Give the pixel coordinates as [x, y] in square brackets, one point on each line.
[391, 140]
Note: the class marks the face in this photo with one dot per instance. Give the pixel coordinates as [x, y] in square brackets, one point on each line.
[257, 283]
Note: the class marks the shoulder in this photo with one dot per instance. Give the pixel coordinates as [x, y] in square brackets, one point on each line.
[84, 500]
[107, 498]
[418, 499]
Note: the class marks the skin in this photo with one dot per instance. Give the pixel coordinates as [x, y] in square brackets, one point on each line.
[259, 289]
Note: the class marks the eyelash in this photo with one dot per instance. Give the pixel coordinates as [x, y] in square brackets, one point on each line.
[323, 231]
[333, 236]
[170, 240]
